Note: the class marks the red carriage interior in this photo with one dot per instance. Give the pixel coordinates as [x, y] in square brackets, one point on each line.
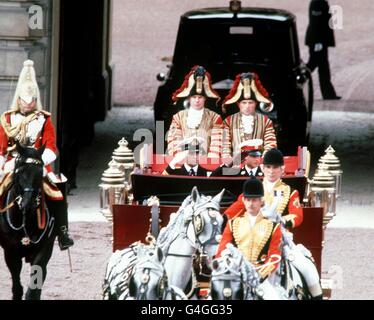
[131, 224]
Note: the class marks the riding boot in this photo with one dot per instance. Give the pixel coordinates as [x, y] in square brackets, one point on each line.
[59, 209]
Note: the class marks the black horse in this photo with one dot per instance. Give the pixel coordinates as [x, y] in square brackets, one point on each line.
[26, 228]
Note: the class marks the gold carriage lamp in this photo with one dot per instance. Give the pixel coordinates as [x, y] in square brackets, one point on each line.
[112, 189]
[333, 166]
[323, 193]
[125, 158]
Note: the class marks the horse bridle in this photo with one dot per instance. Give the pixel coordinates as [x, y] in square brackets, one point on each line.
[198, 226]
[19, 198]
[236, 276]
[233, 276]
[145, 277]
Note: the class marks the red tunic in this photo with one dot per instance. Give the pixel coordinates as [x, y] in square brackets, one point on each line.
[46, 136]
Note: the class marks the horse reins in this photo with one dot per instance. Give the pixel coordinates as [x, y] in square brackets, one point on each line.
[10, 205]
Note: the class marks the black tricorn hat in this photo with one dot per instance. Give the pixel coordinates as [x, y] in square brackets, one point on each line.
[253, 188]
[197, 82]
[274, 157]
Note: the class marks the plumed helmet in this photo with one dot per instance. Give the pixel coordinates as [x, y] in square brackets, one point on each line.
[273, 157]
[247, 86]
[253, 188]
[197, 82]
[27, 87]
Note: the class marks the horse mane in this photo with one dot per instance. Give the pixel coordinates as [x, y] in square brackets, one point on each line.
[247, 269]
[175, 225]
[121, 266]
[168, 233]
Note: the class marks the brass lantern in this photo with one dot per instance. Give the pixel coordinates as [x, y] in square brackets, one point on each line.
[113, 189]
[124, 157]
[323, 193]
[333, 166]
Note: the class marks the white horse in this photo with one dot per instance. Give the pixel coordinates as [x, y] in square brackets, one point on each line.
[138, 273]
[194, 229]
[297, 272]
[235, 278]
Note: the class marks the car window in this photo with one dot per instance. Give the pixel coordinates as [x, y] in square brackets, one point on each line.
[225, 44]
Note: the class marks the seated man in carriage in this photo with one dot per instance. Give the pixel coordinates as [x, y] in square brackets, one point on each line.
[249, 166]
[196, 120]
[247, 94]
[258, 238]
[190, 159]
[28, 124]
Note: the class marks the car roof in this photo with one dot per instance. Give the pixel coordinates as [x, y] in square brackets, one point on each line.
[269, 14]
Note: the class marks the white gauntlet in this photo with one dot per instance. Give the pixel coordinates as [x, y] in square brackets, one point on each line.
[48, 156]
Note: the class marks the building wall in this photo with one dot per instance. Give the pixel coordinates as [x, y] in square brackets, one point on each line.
[26, 33]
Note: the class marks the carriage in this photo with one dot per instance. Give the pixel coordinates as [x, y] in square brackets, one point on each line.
[136, 220]
[128, 205]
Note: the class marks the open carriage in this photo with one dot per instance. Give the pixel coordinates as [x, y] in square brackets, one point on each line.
[133, 220]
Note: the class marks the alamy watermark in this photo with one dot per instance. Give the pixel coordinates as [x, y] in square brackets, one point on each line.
[35, 17]
[36, 277]
[336, 21]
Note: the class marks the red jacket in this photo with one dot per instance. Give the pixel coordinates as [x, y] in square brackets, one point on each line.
[47, 136]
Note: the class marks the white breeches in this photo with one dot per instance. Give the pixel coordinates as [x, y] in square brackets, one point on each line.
[300, 258]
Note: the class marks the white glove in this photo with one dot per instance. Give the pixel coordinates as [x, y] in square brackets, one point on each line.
[271, 212]
[48, 156]
[179, 157]
[318, 47]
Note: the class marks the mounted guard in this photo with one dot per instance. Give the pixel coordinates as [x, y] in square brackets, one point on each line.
[28, 124]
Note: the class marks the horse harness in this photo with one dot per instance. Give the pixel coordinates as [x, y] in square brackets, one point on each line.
[198, 226]
[43, 218]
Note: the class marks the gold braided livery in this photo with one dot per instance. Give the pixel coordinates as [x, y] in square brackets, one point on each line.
[251, 240]
[282, 189]
[210, 129]
[233, 133]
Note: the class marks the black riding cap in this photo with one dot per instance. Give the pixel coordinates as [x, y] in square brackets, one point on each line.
[274, 157]
[253, 188]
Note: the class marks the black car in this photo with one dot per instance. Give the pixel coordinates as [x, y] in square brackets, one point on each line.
[227, 43]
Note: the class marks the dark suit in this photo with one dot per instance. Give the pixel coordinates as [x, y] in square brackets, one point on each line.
[242, 172]
[319, 31]
[182, 171]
